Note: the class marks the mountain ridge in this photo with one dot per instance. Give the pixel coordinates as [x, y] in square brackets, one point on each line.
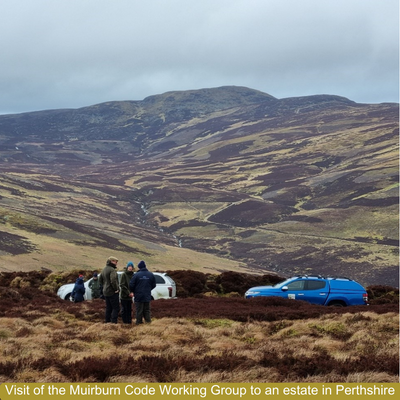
[183, 105]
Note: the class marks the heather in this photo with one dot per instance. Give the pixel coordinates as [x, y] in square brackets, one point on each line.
[211, 335]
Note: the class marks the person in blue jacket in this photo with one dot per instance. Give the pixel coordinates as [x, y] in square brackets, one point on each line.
[79, 290]
[141, 285]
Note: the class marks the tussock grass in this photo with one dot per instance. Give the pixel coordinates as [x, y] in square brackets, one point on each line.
[202, 339]
[201, 350]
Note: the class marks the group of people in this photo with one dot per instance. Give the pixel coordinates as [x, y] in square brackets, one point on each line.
[119, 294]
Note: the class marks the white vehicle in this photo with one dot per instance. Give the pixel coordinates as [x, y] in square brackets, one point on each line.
[165, 289]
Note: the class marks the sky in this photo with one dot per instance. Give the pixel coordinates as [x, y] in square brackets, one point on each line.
[76, 53]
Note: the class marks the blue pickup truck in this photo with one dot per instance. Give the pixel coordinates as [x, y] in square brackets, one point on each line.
[328, 291]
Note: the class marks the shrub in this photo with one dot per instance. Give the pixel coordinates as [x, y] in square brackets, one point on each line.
[239, 282]
[381, 294]
[95, 368]
[189, 283]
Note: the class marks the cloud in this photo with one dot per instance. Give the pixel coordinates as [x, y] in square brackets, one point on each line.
[69, 53]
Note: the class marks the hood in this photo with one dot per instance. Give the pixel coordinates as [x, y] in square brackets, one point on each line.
[263, 289]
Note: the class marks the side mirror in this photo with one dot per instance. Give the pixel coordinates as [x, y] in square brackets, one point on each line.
[284, 288]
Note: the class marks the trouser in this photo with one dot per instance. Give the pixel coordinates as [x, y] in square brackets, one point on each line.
[126, 311]
[142, 310]
[112, 308]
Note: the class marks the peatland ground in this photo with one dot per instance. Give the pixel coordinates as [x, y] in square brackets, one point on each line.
[208, 334]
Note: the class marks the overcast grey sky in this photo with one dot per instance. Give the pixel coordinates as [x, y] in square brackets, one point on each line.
[75, 53]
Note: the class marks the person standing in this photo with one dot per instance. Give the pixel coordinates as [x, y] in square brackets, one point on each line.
[94, 286]
[109, 280]
[78, 290]
[141, 285]
[125, 294]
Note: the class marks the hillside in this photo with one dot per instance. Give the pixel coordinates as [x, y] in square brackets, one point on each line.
[215, 179]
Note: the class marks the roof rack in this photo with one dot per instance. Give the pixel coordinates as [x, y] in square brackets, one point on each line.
[339, 277]
[321, 277]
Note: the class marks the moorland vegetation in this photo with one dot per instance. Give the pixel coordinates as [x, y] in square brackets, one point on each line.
[209, 334]
[200, 184]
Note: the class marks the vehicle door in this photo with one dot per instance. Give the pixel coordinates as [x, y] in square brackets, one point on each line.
[316, 291]
[88, 291]
[158, 291]
[295, 290]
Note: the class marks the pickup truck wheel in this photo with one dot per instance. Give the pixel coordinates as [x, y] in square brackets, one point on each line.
[337, 304]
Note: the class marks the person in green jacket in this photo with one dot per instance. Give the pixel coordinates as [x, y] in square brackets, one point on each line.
[125, 294]
[109, 280]
[94, 286]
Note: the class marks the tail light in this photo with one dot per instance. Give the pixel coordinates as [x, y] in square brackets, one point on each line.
[170, 291]
[365, 297]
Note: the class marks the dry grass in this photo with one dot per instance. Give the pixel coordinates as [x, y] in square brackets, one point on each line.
[340, 348]
[202, 339]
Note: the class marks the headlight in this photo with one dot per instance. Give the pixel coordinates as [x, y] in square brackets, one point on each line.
[251, 293]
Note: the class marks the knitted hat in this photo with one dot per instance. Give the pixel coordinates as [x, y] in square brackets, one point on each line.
[81, 276]
[141, 265]
[130, 264]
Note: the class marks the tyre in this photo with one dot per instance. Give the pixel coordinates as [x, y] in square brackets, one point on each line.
[337, 303]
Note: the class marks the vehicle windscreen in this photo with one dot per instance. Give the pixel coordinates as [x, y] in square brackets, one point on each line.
[280, 284]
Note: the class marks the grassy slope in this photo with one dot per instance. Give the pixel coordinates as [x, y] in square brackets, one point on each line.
[76, 227]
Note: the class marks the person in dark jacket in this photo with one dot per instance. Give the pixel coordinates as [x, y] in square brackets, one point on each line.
[125, 295]
[141, 285]
[78, 290]
[109, 280]
[94, 286]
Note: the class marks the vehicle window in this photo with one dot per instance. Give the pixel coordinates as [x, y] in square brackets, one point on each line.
[315, 285]
[169, 280]
[296, 285]
[159, 279]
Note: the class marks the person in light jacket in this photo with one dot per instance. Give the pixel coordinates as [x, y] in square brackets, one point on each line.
[125, 295]
[109, 280]
[141, 285]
